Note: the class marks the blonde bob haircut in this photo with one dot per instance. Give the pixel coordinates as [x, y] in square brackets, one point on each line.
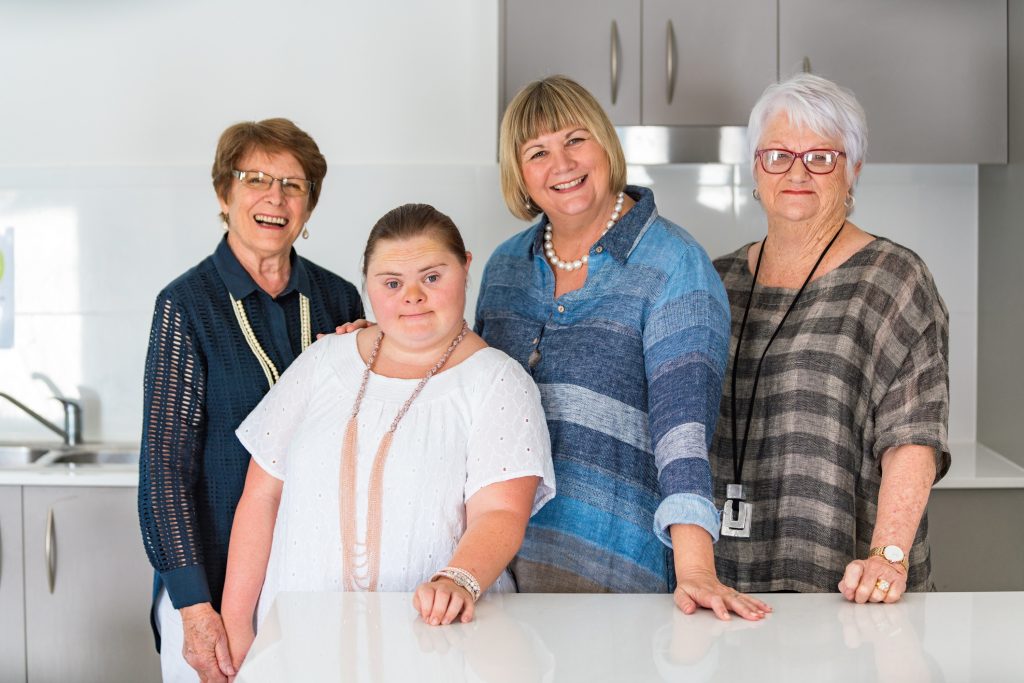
[545, 106]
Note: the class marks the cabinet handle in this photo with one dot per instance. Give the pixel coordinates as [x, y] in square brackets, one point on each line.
[51, 551]
[670, 61]
[807, 65]
[615, 61]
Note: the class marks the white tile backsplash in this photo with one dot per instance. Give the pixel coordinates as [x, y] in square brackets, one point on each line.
[95, 245]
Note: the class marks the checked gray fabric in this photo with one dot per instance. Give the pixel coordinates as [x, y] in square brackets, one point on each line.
[861, 366]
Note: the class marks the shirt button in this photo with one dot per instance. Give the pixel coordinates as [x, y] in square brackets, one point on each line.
[535, 340]
[561, 308]
[599, 249]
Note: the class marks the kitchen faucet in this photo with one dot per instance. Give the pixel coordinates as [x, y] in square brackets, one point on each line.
[72, 432]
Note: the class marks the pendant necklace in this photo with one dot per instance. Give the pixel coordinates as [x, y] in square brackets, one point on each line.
[269, 369]
[737, 514]
[365, 554]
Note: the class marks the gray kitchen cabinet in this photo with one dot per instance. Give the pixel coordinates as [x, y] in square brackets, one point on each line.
[931, 74]
[12, 595]
[596, 44]
[87, 586]
[651, 62]
[705, 64]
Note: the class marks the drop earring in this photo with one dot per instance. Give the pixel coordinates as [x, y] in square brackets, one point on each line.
[305, 232]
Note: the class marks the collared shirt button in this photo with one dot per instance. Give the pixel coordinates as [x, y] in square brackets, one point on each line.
[599, 249]
[561, 308]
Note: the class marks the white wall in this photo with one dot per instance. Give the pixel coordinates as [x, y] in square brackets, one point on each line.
[109, 116]
[142, 82]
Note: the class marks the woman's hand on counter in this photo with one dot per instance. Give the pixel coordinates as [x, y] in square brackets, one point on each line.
[441, 601]
[697, 584]
[699, 588]
[206, 643]
[861, 581]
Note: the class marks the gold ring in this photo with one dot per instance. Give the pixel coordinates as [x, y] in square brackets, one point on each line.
[882, 585]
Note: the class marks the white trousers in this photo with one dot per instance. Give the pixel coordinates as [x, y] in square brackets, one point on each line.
[173, 666]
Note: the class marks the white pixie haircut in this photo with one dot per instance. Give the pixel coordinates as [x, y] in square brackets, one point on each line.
[816, 103]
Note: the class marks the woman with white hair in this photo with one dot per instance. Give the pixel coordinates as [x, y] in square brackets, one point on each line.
[832, 427]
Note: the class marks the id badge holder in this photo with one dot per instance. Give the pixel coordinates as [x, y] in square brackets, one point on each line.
[737, 514]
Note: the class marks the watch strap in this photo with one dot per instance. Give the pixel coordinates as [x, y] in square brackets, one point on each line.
[880, 552]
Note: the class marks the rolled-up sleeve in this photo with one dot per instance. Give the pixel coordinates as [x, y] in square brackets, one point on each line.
[686, 342]
[914, 408]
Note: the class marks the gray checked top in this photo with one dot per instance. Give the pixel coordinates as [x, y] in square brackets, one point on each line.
[860, 366]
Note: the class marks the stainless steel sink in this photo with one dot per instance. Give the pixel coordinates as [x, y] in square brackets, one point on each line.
[13, 456]
[86, 456]
[42, 455]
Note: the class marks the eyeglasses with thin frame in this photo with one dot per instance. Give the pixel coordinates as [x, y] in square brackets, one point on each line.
[258, 180]
[816, 161]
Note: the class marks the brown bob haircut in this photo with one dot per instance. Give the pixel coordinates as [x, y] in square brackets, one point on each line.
[414, 220]
[271, 136]
[546, 106]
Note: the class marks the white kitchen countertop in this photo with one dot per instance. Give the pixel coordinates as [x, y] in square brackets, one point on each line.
[974, 466]
[634, 638]
[70, 475]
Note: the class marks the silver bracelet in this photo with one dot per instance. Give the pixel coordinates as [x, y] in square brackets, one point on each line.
[461, 578]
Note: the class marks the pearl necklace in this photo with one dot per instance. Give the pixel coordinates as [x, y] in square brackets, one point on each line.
[269, 369]
[549, 248]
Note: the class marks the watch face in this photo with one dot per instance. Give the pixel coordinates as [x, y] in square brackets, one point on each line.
[893, 553]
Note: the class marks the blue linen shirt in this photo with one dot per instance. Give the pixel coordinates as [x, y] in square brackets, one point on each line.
[630, 374]
[201, 381]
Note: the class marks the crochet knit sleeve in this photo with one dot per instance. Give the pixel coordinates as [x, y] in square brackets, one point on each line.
[171, 453]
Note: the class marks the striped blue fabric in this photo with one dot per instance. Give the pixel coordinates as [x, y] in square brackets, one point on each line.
[630, 376]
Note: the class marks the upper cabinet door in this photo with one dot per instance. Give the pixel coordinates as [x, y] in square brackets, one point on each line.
[706, 63]
[596, 44]
[931, 74]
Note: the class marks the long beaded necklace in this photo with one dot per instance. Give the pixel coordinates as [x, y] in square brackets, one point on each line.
[549, 247]
[370, 555]
[269, 369]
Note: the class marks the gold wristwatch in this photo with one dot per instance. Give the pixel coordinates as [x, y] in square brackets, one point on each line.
[892, 554]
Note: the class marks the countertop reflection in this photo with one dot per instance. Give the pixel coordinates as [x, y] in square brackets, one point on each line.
[531, 637]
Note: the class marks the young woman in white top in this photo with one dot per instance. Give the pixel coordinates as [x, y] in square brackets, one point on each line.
[406, 457]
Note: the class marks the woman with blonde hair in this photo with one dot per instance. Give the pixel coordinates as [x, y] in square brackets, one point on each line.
[619, 317]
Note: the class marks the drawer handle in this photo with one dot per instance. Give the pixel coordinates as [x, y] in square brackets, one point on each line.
[51, 551]
[670, 61]
[615, 61]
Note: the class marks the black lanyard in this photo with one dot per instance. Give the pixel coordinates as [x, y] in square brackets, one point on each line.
[738, 455]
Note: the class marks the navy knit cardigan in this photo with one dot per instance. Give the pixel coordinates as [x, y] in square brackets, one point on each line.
[201, 381]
